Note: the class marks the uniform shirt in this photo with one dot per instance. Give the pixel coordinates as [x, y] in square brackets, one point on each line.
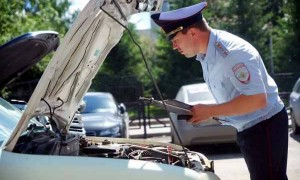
[232, 67]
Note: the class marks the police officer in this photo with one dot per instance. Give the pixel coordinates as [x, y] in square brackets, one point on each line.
[246, 95]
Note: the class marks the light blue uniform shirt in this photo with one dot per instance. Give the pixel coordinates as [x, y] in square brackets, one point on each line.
[232, 67]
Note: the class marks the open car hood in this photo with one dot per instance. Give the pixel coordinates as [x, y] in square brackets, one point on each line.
[21, 53]
[77, 60]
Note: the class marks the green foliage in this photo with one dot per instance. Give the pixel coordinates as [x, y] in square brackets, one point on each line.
[287, 38]
[177, 70]
[19, 17]
[125, 60]
[257, 21]
[271, 26]
[10, 19]
[122, 57]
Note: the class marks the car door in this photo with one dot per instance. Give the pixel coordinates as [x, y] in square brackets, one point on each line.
[295, 101]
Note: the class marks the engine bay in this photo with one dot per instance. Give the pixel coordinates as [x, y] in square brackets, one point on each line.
[47, 142]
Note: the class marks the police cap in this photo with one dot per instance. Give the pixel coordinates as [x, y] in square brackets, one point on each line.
[174, 21]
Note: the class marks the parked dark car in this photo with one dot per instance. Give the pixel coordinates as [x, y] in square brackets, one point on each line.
[295, 107]
[103, 116]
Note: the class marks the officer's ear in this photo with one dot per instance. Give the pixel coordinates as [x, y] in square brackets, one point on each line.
[192, 32]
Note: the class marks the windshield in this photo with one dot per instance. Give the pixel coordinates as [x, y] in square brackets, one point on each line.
[22, 107]
[99, 104]
[9, 116]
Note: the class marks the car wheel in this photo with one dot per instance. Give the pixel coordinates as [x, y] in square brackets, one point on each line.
[125, 131]
[295, 126]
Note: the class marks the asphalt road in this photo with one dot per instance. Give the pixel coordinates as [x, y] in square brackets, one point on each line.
[230, 165]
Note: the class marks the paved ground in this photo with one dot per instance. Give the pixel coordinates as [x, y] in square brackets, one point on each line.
[229, 163]
[232, 165]
[155, 128]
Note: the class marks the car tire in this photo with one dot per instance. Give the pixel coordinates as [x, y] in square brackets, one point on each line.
[295, 126]
[125, 131]
[124, 134]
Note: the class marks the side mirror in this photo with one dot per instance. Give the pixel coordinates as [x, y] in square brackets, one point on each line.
[122, 108]
[82, 106]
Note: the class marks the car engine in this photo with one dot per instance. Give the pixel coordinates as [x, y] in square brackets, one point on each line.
[38, 141]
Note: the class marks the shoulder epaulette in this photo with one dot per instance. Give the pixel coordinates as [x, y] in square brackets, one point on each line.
[221, 49]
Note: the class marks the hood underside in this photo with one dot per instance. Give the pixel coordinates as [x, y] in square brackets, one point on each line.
[77, 60]
[21, 53]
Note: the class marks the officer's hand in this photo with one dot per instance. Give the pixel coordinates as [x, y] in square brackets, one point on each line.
[200, 113]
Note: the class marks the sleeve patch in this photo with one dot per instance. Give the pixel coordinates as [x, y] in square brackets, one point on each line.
[241, 73]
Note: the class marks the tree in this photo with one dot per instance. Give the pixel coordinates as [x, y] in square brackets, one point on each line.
[19, 17]
[124, 66]
[287, 38]
[271, 26]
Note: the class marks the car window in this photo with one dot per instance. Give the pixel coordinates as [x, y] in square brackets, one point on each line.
[9, 116]
[22, 107]
[99, 104]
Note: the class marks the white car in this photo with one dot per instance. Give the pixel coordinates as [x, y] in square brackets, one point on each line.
[209, 132]
[29, 151]
[294, 102]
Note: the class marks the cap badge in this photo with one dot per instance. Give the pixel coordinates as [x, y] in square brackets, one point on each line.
[175, 31]
[241, 73]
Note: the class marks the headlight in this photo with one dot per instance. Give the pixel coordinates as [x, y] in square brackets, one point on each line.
[110, 131]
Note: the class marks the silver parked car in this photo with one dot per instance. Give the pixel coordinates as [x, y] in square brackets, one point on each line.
[295, 107]
[28, 151]
[208, 132]
[103, 116]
